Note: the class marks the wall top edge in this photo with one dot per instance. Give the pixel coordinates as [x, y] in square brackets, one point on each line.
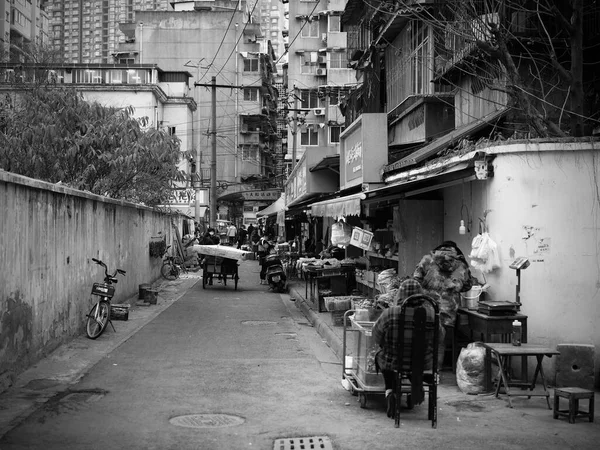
[9, 177]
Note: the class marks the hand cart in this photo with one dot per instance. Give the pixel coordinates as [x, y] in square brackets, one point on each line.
[222, 268]
[359, 368]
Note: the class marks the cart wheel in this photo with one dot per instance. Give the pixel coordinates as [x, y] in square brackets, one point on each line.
[224, 280]
[353, 391]
[363, 400]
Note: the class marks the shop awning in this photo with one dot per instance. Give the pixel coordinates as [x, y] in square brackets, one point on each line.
[273, 208]
[338, 207]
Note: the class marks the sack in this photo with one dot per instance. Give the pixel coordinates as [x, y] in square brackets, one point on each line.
[470, 369]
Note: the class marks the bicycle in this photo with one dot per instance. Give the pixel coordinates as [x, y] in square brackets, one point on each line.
[99, 316]
[173, 266]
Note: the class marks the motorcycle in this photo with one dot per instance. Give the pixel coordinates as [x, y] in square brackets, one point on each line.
[275, 274]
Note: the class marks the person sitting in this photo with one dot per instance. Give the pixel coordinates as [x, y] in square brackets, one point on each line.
[264, 248]
[386, 332]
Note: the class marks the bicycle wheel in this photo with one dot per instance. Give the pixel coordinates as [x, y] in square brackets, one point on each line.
[169, 271]
[97, 319]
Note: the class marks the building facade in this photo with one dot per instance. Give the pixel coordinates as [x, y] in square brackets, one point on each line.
[88, 31]
[22, 22]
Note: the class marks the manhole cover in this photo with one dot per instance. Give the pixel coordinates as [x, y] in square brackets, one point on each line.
[287, 333]
[303, 443]
[207, 421]
[258, 322]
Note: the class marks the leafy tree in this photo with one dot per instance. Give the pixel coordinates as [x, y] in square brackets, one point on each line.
[533, 50]
[53, 134]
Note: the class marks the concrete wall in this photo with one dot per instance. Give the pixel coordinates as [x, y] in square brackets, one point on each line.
[49, 234]
[542, 203]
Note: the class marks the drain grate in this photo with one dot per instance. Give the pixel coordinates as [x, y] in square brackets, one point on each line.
[207, 420]
[303, 443]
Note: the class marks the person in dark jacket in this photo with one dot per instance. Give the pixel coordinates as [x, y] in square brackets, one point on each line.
[210, 238]
[444, 271]
[241, 238]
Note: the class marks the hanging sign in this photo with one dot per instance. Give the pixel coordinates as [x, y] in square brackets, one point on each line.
[361, 238]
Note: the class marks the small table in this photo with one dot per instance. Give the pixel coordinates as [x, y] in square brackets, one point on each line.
[485, 328]
[503, 352]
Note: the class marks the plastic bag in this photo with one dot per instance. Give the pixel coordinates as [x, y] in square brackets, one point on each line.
[484, 253]
[470, 369]
[341, 233]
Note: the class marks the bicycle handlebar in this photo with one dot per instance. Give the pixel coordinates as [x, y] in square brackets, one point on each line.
[106, 274]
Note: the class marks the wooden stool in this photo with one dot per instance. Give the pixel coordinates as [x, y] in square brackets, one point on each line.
[573, 394]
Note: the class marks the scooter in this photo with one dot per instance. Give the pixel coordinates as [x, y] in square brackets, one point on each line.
[275, 274]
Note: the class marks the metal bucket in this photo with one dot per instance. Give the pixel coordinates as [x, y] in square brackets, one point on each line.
[470, 298]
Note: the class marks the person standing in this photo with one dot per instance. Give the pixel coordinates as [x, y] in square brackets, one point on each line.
[445, 272]
[231, 234]
[250, 230]
[241, 238]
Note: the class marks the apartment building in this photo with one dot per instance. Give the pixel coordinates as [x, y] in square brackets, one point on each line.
[22, 22]
[88, 31]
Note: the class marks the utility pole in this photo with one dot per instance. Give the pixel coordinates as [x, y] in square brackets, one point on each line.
[294, 130]
[213, 160]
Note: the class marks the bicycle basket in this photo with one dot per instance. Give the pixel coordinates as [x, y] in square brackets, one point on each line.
[104, 290]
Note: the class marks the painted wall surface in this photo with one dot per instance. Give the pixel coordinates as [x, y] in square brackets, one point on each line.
[544, 205]
[49, 235]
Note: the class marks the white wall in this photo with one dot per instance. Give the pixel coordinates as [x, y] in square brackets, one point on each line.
[556, 193]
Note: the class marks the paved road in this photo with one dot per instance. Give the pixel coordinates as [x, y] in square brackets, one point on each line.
[248, 369]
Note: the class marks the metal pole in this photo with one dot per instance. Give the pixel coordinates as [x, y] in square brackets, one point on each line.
[213, 159]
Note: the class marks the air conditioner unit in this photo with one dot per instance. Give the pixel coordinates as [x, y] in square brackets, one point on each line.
[322, 60]
[324, 37]
[321, 72]
[319, 111]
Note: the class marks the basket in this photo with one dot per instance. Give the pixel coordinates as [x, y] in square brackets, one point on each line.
[105, 290]
[337, 318]
[470, 298]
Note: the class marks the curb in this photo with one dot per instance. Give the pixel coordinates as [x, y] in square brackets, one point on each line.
[322, 327]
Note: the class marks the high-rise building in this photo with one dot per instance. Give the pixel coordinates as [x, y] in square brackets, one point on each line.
[318, 76]
[22, 22]
[87, 31]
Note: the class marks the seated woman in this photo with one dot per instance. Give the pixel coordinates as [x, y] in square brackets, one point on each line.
[386, 332]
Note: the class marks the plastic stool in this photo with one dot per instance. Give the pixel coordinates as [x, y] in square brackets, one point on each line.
[573, 394]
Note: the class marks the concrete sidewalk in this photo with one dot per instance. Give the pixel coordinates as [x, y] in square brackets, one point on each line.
[67, 364]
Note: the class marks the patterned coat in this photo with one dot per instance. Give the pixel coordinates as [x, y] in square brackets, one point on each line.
[446, 273]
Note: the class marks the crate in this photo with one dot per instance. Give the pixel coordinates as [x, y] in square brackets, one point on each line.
[105, 290]
[119, 312]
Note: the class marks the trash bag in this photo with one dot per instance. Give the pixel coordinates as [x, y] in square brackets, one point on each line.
[470, 369]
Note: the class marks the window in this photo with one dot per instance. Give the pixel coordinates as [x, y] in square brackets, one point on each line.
[338, 60]
[310, 29]
[250, 94]
[310, 99]
[309, 137]
[334, 23]
[172, 131]
[308, 62]
[251, 64]
[250, 153]
[334, 134]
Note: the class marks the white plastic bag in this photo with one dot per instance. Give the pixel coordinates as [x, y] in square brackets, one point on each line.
[484, 253]
[341, 233]
[470, 369]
